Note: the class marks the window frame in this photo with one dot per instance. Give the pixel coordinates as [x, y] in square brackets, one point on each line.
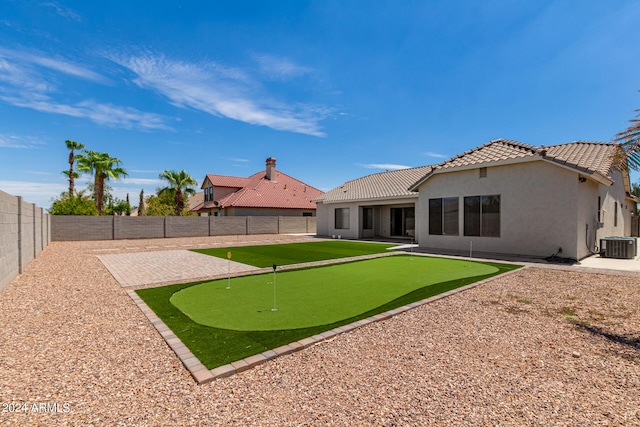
[478, 217]
[446, 222]
[341, 218]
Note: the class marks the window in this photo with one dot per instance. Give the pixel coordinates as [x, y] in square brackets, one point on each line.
[307, 213]
[483, 172]
[615, 214]
[342, 218]
[482, 216]
[367, 218]
[599, 207]
[443, 216]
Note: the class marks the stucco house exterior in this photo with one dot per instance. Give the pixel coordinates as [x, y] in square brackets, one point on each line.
[266, 193]
[376, 205]
[505, 197]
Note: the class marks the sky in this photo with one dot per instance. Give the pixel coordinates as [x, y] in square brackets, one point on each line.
[334, 90]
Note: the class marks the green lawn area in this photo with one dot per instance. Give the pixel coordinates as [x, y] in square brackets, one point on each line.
[318, 296]
[296, 253]
[225, 325]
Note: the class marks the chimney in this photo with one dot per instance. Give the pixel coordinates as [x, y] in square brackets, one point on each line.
[271, 169]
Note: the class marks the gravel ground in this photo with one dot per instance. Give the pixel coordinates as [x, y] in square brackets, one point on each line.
[536, 347]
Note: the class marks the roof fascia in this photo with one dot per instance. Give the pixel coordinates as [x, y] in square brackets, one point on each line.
[370, 199]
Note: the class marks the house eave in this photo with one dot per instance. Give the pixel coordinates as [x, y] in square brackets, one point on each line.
[371, 199]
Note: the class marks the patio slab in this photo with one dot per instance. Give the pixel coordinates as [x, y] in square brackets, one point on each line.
[147, 268]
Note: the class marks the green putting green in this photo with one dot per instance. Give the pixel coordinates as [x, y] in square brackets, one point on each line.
[316, 296]
[295, 253]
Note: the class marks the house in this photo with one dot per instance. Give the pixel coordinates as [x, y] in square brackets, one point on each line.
[268, 192]
[377, 205]
[509, 198]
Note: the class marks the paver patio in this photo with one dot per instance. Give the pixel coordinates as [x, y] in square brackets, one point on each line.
[146, 268]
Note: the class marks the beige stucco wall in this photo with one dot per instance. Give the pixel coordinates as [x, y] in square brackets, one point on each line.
[538, 209]
[610, 196]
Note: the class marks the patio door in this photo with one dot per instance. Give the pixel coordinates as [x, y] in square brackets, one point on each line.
[403, 222]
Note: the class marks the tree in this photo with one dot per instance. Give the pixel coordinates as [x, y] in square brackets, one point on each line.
[629, 139]
[141, 208]
[78, 204]
[160, 205]
[179, 185]
[103, 167]
[71, 146]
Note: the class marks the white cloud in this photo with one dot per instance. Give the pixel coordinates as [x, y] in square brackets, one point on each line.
[280, 68]
[103, 114]
[436, 155]
[142, 181]
[65, 12]
[384, 166]
[28, 63]
[18, 141]
[220, 91]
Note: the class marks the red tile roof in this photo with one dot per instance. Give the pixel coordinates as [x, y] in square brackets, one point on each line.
[225, 181]
[256, 191]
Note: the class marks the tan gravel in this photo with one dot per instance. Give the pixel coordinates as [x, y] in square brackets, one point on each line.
[538, 347]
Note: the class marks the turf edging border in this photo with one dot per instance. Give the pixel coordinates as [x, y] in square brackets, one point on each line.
[202, 375]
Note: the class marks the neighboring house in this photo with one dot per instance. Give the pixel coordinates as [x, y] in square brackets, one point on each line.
[377, 205]
[510, 198]
[268, 192]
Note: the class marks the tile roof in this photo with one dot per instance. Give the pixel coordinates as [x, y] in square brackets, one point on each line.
[383, 185]
[587, 157]
[493, 151]
[225, 181]
[285, 192]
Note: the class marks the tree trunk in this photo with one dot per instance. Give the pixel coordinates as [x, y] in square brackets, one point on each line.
[71, 179]
[179, 202]
[99, 192]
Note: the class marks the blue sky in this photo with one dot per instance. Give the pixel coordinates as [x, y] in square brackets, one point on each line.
[333, 89]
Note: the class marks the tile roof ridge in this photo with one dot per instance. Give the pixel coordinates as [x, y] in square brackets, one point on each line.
[296, 179]
[387, 172]
[583, 142]
[503, 141]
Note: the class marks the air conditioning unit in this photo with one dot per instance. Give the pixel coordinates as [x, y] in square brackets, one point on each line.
[619, 247]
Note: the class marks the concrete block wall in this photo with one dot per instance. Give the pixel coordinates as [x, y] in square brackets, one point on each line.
[24, 233]
[149, 227]
[293, 225]
[262, 225]
[70, 227]
[227, 225]
[138, 227]
[185, 226]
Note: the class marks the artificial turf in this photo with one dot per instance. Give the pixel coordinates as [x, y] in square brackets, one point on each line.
[218, 346]
[318, 296]
[296, 253]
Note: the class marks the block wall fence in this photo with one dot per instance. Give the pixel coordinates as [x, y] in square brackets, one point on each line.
[25, 230]
[64, 228]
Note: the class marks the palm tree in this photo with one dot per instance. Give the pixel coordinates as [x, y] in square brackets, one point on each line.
[103, 167]
[71, 146]
[177, 182]
[629, 139]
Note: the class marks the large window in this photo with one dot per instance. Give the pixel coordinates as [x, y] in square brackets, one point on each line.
[342, 218]
[482, 216]
[443, 216]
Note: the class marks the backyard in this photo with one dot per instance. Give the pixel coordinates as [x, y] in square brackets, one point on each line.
[539, 346]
